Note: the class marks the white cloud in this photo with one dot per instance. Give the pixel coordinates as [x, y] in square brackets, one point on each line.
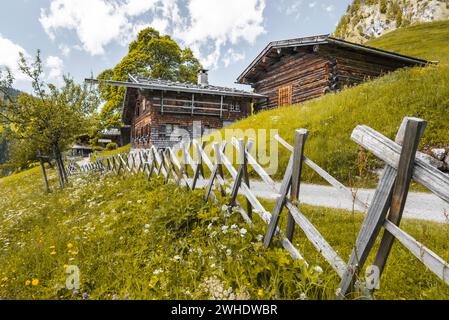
[65, 50]
[207, 26]
[329, 8]
[232, 56]
[312, 4]
[96, 22]
[9, 56]
[216, 23]
[292, 9]
[55, 67]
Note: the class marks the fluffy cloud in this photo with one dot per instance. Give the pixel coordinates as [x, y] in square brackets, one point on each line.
[9, 56]
[208, 26]
[55, 67]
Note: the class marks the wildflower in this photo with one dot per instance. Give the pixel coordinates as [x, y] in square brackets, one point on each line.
[318, 269]
[115, 297]
[243, 231]
[338, 292]
[260, 293]
[75, 292]
[234, 226]
[139, 201]
[27, 283]
[71, 259]
[129, 202]
[224, 229]
[228, 252]
[158, 271]
[213, 234]
[302, 296]
[209, 226]
[69, 246]
[34, 282]
[259, 237]
[147, 226]
[85, 296]
[177, 258]
[212, 265]
[53, 253]
[65, 266]
[52, 247]
[126, 296]
[224, 208]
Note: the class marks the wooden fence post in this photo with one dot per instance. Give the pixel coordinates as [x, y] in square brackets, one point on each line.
[294, 165]
[298, 155]
[199, 165]
[413, 134]
[241, 173]
[380, 204]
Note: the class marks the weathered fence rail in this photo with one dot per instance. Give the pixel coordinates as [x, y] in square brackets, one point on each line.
[403, 163]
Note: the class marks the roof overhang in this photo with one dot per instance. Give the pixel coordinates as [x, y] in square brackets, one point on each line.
[173, 88]
[324, 39]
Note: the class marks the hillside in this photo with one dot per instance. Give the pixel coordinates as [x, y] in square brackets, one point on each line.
[381, 104]
[369, 19]
[163, 242]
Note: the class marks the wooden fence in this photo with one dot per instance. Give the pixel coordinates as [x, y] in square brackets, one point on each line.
[403, 163]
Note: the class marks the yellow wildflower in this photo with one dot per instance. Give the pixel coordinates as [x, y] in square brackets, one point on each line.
[52, 247]
[53, 252]
[35, 282]
[27, 283]
[5, 278]
[260, 293]
[69, 245]
[66, 266]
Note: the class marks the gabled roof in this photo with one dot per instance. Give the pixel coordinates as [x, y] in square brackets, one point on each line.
[165, 85]
[325, 39]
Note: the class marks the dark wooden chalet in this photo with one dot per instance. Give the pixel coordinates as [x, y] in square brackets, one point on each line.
[154, 109]
[293, 71]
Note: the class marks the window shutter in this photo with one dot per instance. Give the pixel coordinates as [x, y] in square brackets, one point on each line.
[285, 96]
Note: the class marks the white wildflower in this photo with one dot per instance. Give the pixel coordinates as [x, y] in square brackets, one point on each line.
[139, 201]
[158, 271]
[302, 296]
[224, 229]
[318, 269]
[210, 226]
[228, 252]
[147, 226]
[213, 234]
[259, 237]
[177, 258]
[212, 265]
[243, 231]
[234, 226]
[224, 208]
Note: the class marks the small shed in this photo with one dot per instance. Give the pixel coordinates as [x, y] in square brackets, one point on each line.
[293, 71]
[78, 150]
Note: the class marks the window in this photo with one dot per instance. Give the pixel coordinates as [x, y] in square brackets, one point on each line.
[285, 96]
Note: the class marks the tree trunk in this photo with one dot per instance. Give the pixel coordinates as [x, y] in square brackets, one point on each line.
[61, 174]
[44, 173]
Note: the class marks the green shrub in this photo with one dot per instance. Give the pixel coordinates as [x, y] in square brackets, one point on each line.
[111, 146]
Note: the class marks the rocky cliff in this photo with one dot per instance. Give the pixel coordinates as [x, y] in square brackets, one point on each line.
[368, 19]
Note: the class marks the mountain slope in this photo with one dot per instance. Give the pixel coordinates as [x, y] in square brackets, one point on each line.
[381, 104]
[369, 19]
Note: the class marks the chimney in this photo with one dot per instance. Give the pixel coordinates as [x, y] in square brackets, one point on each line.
[203, 78]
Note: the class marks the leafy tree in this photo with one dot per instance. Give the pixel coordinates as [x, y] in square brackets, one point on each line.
[150, 55]
[48, 120]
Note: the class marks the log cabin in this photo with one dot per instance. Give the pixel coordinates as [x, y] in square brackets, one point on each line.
[290, 72]
[154, 109]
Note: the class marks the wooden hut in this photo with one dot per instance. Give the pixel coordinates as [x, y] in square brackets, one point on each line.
[294, 71]
[154, 109]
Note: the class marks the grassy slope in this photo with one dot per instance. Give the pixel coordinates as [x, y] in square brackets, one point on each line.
[427, 41]
[380, 104]
[100, 228]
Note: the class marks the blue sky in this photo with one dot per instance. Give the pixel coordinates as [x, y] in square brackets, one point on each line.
[80, 37]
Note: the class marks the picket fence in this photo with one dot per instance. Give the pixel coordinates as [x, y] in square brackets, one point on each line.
[403, 163]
